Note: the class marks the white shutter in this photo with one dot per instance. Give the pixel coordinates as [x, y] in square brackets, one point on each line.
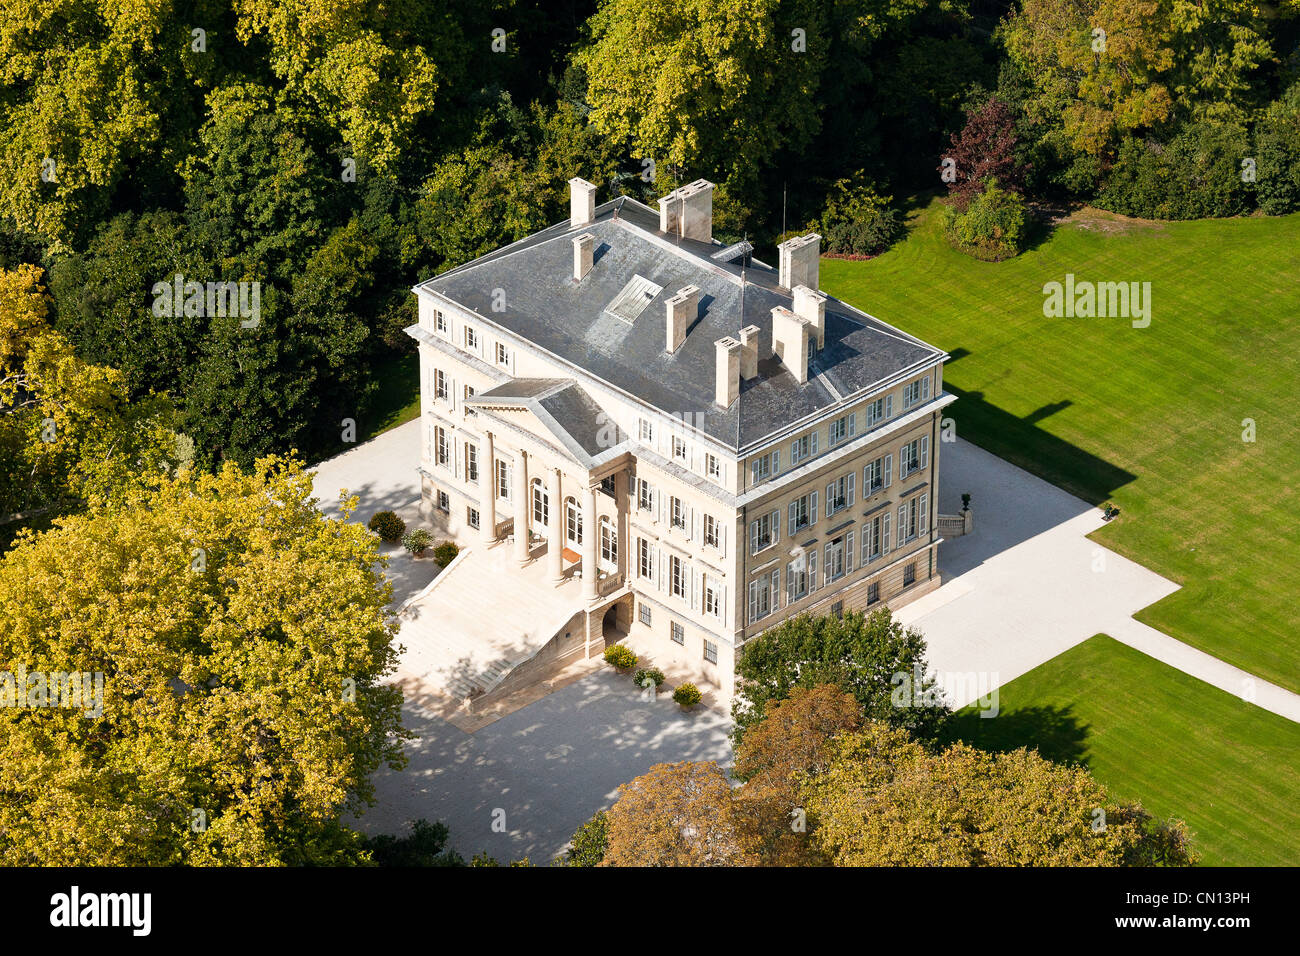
[753, 536]
[902, 523]
[789, 584]
[812, 444]
[884, 534]
[794, 452]
[826, 565]
[812, 507]
[776, 526]
[776, 460]
[889, 467]
[830, 493]
[853, 424]
[812, 570]
[852, 477]
[791, 524]
[925, 449]
[753, 600]
[889, 406]
[925, 388]
[848, 553]
[923, 515]
[776, 589]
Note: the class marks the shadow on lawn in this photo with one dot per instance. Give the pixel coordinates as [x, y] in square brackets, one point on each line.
[1054, 732]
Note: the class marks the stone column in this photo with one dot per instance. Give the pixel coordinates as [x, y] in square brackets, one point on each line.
[590, 546]
[487, 519]
[522, 504]
[554, 547]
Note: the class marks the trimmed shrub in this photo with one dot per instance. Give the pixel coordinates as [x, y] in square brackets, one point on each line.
[416, 541]
[992, 227]
[620, 656]
[857, 220]
[1196, 175]
[650, 673]
[687, 695]
[445, 553]
[388, 526]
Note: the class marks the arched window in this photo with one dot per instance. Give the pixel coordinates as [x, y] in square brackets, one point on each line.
[608, 543]
[572, 521]
[541, 504]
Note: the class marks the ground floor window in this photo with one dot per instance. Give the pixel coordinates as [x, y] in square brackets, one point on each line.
[711, 652]
[541, 504]
[444, 503]
[873, 592]
[796, 579]
[762, 595]
[645, 614]
[679, 633]
[473, 517]
[837, 609]
[909, 574]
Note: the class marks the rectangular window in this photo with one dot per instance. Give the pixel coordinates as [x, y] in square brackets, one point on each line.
[834, 567]
[645, 431]
[469, 392]
[473, 517]
[608, 543]
[677, 512]
[711, 652]
[761, 469]
[444, 502]
[439, 322]
[442, 448]
[645, 559]
[503, 355]
[796, 579]
[873, 477]
[842, 429]
[677, 576]
[711, 536]
[803, 448]
[678, 633]
[471, 462]
[803, 512]
[440, 390]
[871, 539]
[909, 575]
[607, 485]
[645, 499]
[712, 466]
[839, 493]
[712, 597]
[471, 338]
[503, 479]
[837, 609]
[645, 613]
[763, 531]
[760, 598]
[914, 393]
[875, 411]
[913, 456]
[873, 592]
[679, 449]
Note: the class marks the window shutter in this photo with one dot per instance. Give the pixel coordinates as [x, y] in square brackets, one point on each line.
[902, 523]
[794, 452]
[923, 515]
[925, 450]
[889, 406]
[826, 565]
[812, 444]
[753, 600]
[753, 537]
[776, 525]
[812, 570]
[776, 588]
[812, 507]
[853, 424]
[884, 534]
[925, 388]
[659, 569]
[848, 552]
[889, 467]
[852, 477]
[866, 545]
[776, 460]
[793, 505]
[830, 493]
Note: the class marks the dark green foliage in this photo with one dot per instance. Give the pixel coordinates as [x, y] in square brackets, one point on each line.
[653, 675]
[589, 843]
[858, 220]
[425, 845]
[445, 553]
[387, 525]
[1277, 155]
[871, 657]
[1198, 174]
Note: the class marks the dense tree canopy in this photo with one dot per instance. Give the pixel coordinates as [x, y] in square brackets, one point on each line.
[242, 640]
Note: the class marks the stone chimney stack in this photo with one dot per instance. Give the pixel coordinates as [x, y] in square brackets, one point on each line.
[688, 211]
[582, 202]
[790, 334]
[727, 385]
[582, 255]
[681, 310]
[799, 261]
[812, 306]
[748, 352]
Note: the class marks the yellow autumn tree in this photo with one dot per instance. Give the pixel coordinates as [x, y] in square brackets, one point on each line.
[235, 643]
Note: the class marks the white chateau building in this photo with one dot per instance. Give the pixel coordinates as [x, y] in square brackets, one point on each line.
[688, 445]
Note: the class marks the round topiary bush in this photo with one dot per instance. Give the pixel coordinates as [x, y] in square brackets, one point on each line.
[992, 227]
[417, 541]
[644, 674]
[620, 656]
[388, 526]
[687, 695]
[445, 553]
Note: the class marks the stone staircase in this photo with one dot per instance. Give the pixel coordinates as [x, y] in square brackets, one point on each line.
[481, 618]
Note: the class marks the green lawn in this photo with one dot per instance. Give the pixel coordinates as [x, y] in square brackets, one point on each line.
[1148, 418]
[1154, 734]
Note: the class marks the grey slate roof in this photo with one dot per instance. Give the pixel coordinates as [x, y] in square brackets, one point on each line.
[546, 306]
[578, 424]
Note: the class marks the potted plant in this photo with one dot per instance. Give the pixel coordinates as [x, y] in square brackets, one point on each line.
[645, 676]
[965, 501]
[445, 553]
[417, 541]
[621, 657]
[388, 526]
[687, 696]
